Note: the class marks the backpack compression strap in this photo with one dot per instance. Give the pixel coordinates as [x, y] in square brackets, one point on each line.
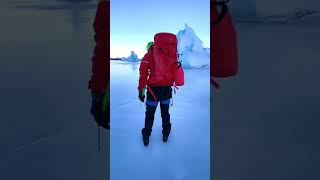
[154, 96]
[214, 83]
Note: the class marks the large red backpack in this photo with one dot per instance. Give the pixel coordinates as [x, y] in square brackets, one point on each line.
[167, 67]
[223, 38]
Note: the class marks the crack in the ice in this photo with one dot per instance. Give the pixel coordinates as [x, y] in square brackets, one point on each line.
[35, 141]
[122, 105]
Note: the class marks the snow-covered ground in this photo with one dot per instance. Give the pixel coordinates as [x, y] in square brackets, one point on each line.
[185, 156]
[46, 131]
[266, 119]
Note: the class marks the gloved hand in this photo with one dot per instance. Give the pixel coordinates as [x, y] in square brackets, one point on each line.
[141, 95]
[101, 118]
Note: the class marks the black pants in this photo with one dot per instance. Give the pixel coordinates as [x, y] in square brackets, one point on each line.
[163, 94]
[166, 125]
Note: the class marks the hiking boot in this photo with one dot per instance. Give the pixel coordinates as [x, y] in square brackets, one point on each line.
[145, 140]
[145, 137]
[165, 138]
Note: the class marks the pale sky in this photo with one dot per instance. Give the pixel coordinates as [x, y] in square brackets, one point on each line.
[134, 23]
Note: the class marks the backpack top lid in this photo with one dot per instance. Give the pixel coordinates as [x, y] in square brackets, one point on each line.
[164, 39]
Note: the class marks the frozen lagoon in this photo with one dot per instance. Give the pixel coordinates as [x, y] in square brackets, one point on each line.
[186, 155]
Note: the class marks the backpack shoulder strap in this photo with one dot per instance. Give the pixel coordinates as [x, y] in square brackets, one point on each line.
[223, 11]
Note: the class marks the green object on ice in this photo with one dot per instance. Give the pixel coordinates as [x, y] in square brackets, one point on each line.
[106, 98]
[149, 45]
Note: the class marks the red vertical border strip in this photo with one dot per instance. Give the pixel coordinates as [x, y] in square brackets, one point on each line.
[100, 77]
[211, 36]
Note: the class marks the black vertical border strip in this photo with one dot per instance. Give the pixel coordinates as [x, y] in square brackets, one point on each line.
[108, 132]
[211, 94]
